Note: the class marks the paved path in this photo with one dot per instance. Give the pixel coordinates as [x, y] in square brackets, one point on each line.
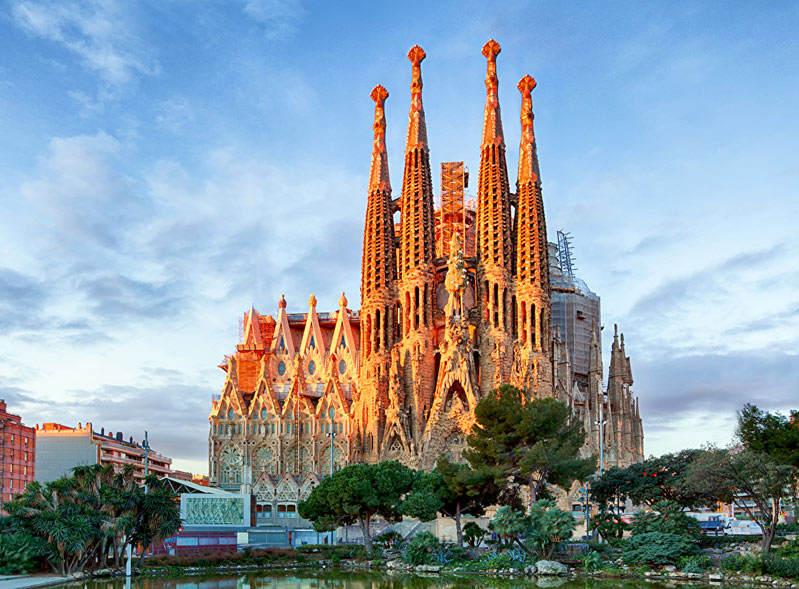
[22, 581]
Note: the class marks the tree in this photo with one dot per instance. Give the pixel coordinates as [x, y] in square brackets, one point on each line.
[473, 534]
[666, 517]
[527, 442]
[74, 520]
[538, 532]
[770, 433]
[509, 524]
[745, 478]
[357, 493]
[661, 478]
[453, 490]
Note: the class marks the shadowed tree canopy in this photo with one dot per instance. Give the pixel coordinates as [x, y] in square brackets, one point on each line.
[453, 490]
[660, 478]
[770, 433]
[752, 480]
[355, 494]
[528, 442]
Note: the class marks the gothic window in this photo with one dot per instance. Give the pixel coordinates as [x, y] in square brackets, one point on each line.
[231, 414]
[312, 343]
[343, 342]
[230, 465]
[264, 460]
[377, 330]
[282, 345]
[264, 414]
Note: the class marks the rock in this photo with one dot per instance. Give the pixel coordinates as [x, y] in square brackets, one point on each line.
[530, 570]
[551, 567]
[395, 564]
[669, 568]
[429, 568]
[550, 582]
[715, 577]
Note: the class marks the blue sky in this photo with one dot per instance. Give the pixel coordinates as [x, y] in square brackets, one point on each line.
[164, 165]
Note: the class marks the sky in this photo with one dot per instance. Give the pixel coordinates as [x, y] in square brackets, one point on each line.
[165, 165]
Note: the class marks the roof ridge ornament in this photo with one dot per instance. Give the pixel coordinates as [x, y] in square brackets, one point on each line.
[417, 128]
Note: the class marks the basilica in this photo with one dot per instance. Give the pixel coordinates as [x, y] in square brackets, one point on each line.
[455, 301]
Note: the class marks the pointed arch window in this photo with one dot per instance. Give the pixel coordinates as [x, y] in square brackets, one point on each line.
[231, 414]
[312, 343]
[264, 414]
[343, 342]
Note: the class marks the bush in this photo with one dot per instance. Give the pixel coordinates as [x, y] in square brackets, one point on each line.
[419, 549]
[548, 526]
[666, 517]
[610, 527]
[717, 541]
[656, 548]
[473, 534]
[591, 561]
[762, 565]
[18, 554]
[694, 564]
[389, 539]
[789, 549]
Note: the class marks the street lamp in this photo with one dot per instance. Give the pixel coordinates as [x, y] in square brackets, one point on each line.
[601, 423]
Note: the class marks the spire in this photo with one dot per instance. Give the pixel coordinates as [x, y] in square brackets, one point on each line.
[594, 360]
[493, 192]
[528, 156]
[378, 269]
[417, 238]
[378, 175]
[492, 121]
[417, 128]
[532, 254]
[616, 357]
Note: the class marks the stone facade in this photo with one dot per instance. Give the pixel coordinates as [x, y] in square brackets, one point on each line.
[400, 378]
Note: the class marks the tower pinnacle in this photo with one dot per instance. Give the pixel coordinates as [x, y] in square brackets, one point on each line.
[492, 121]
[417, 128]
[378, 176]
[528, 157]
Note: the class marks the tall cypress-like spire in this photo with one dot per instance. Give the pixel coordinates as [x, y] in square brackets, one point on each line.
[532, 257]
[417, 238]
[378, 268]
[493, 192]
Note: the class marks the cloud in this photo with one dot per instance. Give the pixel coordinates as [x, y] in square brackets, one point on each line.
[707, 389]
[172, 408]
[116, 295]
[280, 18]
[96, 32]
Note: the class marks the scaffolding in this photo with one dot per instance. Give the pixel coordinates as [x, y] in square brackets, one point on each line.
[452, 216]
[565, 254]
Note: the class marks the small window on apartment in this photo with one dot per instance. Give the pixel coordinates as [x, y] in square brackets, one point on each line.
[26, 441]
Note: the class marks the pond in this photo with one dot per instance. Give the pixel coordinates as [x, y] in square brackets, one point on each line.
[309, 579]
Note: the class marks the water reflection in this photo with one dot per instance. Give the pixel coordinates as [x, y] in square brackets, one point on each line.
[309, 579]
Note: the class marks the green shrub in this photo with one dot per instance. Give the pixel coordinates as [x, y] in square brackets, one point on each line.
[388, 539]
[548, 526]
[419, 549]
[743, 563]
[666, 517]
[789, 549]
[18, 554]
[473, 534]
[610, 527]
[591, 561]
[698, 563]
[717, 541]
[781, 567]
[656, 548]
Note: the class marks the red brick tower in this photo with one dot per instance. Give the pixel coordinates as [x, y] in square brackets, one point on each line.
[494, 242]
[378, 287]
[17, 455]
[533, 310]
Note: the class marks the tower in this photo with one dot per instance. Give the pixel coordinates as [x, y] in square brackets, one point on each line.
[416, 272]
[378, 286]
[494, 244]
[532, 301]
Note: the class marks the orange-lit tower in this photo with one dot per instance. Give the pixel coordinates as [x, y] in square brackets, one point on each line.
[533, 310]
[494, 243]
[416, 257]
[378, 286]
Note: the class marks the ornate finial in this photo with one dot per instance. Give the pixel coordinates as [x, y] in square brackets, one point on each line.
[282, 302]
[342, 301]
[312, 301]
[615, 330]
[622, 340]
[378, 177]
[525, 86]
[416, 55]
[491, 50]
